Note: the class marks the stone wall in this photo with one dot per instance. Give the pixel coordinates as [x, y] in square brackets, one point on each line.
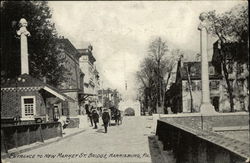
[196, 120]
[191, 145]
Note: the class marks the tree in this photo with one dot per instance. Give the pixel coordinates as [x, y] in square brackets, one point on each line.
[145, 77]
[154, 74]
[231, 29]
[157, 50]
[42, 47]
[189, 81]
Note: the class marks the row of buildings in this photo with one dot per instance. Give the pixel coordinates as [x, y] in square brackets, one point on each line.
[26, 99]
[184, 95]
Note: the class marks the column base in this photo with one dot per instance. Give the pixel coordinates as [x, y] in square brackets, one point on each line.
[207, 108]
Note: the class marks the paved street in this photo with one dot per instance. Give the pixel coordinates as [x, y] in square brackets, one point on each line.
[132, 141]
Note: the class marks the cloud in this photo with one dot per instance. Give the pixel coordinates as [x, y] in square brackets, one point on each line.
[121, 31]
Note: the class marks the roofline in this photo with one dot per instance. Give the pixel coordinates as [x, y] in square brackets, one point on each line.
[46, 88]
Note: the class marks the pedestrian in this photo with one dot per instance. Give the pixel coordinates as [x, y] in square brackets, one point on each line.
[105, 119]
[89, 113]
[117, 117]
[95, 116]
[64, 122]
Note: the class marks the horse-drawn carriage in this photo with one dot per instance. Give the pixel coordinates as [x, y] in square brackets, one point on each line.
[115, 115]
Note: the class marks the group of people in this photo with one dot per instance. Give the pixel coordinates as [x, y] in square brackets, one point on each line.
[93, 115]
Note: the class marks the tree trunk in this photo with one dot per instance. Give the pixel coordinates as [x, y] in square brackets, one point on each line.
[229, 87]
[164, 90]
[190, 89]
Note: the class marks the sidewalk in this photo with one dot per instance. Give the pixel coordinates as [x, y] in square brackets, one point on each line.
[68, 132]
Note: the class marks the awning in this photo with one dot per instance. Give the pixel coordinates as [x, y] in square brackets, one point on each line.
[59, 95]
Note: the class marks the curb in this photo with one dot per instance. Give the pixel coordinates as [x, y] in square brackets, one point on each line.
[41, 144]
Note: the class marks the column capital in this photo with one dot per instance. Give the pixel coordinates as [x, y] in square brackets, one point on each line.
[23, 30]
[204, 23]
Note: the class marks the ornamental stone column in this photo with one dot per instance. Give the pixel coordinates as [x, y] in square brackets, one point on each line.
[23, 33]
[206, 107]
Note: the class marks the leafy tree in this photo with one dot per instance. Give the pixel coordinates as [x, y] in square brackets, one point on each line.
[42, 47]
[231, 29]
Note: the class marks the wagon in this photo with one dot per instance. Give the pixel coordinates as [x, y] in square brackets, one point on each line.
[115, 113]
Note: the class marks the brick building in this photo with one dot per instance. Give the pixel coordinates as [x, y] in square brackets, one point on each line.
[72, 85]
[26, 98]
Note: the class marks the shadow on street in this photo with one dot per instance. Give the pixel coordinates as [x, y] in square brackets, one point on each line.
[100, 130]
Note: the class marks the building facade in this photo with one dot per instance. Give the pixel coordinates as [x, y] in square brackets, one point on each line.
[185, 94]
[92, 78]
[237, 68]
[72, 84]
[191, 86]
[109, 98]
[25, 99]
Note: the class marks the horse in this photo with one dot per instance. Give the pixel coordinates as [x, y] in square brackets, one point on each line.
[118, 117]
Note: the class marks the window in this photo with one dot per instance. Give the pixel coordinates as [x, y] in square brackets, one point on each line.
[192, 71]
[198, 85]
[230, 67]
[231, 83]
[240, 68]
[214, 85]
[186, 86]
[242, 104]
[211, 70]
[193, 85]
[56, 114]
[28, 106]
[240, 85]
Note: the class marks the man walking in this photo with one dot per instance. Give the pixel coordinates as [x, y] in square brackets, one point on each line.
[95, 118]
[105, 119]
[89, 113]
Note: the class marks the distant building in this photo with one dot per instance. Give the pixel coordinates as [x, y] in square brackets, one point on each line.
[109, 97]
[91, 80]
[72, 84]
[188, 84]
[26, 99]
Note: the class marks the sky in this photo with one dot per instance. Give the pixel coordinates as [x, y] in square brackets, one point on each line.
[120, 31]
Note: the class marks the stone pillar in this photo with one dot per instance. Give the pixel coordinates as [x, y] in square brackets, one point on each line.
[23, 33]
[206, 107]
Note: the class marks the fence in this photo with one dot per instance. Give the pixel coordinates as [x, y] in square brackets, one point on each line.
[193, 146]
[19, 135]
